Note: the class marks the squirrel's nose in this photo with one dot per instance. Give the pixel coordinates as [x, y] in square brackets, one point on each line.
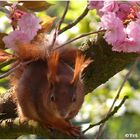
[64, 113]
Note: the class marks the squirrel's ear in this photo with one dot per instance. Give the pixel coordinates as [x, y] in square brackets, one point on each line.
[53, 61]
[68, 54]
[80, 64]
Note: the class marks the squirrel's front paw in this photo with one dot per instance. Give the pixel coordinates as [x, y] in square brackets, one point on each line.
[74, 131]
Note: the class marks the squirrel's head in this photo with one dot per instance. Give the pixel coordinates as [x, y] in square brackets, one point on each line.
[66, 90]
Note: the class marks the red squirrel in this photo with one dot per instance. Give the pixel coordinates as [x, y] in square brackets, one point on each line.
[50, 91]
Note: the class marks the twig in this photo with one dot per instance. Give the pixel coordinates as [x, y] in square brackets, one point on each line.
[109, 115]
[75, 22]
[54, 39]
[58, 27]
[117, 96]
[9, 72]
[14, 68]
[64, 14]
[6, 63]
[79, 37]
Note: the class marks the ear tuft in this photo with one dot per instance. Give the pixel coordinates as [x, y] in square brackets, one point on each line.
[80, 64]
[53, 61]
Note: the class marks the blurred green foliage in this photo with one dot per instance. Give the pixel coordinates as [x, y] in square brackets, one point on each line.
[127, 127]
[97, 103]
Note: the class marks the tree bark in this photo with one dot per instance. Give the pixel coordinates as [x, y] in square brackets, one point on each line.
[106, 63]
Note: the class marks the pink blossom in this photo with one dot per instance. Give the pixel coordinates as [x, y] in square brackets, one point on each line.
[28, 27]
[95, 4]
[14, 38]
[114, 28]
[134, 3]
[29, 24]
[133, 30]
[124, 10]
[126, 46]
[123, 38]
[133, 33]
[16, 15]
[110, 6]
[132, 41]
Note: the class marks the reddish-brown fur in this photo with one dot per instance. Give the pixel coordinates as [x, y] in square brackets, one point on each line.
[51, 92]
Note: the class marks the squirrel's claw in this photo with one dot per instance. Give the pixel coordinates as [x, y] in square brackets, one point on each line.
[74, 131]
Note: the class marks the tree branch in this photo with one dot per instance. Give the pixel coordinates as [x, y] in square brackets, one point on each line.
[6, 63]
[75, 22]
[7, 106]
[109, 115]
[106, 63]
[117, 96]
[64, 14]
[79, 37]
[15, 68]
[15, 128]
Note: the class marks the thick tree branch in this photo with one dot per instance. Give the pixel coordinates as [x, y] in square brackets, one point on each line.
[15, 128]
[106, 63]
[7, 106]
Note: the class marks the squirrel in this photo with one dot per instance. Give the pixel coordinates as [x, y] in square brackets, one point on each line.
[49, 91]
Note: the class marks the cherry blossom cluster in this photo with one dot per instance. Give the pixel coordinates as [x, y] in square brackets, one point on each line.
[121, 20]
[26, 29]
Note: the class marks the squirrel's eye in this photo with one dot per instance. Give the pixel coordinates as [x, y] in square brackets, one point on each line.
[74, 99]
[52, 98]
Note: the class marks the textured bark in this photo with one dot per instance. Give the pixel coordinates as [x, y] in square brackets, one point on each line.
[13, 128]
[106, 64]
[7, 106]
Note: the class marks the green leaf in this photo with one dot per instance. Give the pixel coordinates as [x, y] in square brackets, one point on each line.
[36, 6]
